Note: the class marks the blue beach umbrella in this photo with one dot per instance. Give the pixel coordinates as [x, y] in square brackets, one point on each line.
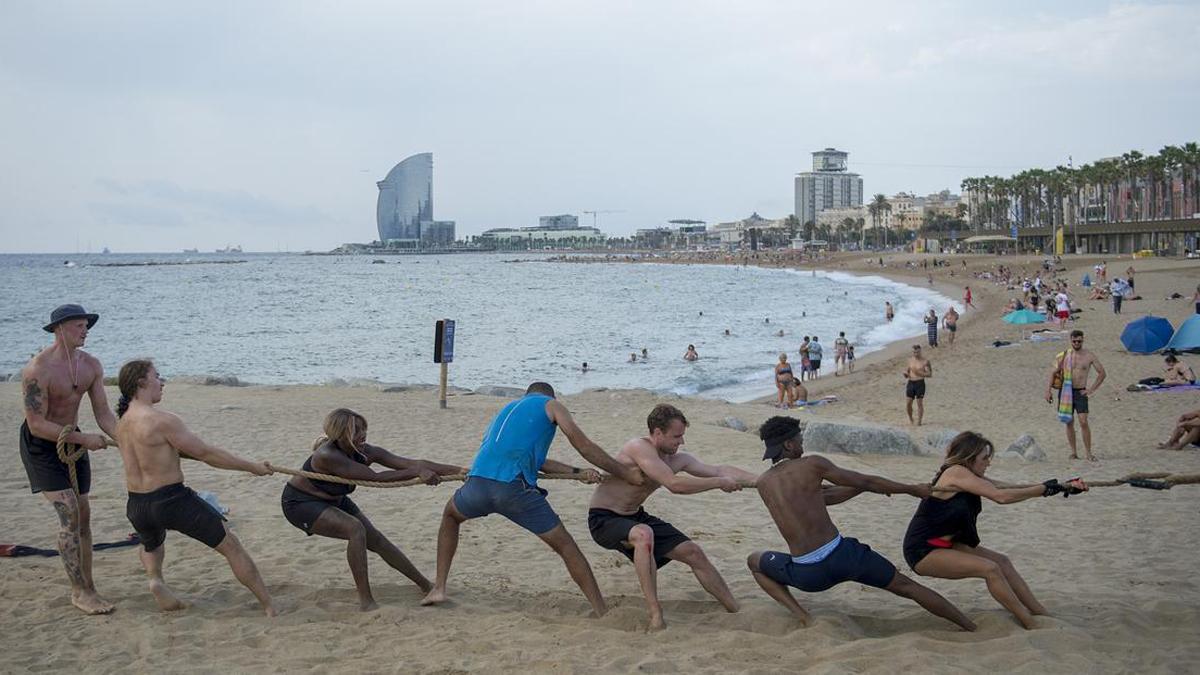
[1023, 317]
[1188, 335]
[1147, 334]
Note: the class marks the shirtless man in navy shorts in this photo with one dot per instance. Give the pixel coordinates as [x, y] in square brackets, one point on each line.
[818, 556]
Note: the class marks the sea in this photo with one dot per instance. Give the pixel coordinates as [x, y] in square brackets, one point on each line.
[270, 318]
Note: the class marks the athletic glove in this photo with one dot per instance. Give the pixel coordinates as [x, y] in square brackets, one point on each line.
[1053, 487]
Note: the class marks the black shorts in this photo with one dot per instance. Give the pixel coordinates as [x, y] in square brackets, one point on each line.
[1079, 402]
[815, 364]
[952, 327]
[46, 473]
[174, 507]
[915, 389]
[850, 561]
[302, 509]
[611, 530]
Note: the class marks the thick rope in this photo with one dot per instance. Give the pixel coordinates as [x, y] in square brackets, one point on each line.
[330, 478]
[69, 456]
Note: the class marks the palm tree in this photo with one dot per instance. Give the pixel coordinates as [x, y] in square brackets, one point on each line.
[881, 206]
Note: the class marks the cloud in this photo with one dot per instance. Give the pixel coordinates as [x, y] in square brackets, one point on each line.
[165, 203]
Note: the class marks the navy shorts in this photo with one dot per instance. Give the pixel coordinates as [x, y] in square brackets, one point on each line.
[520, 502]
[850, 561]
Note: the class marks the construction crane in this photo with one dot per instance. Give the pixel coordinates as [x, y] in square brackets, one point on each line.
[595, 219]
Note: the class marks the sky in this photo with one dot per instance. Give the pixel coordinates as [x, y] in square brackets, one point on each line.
[158, 126]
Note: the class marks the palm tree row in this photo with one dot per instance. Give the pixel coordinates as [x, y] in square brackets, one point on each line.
[1133, 187]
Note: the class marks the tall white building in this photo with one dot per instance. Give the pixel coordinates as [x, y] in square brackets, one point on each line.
[828, 186]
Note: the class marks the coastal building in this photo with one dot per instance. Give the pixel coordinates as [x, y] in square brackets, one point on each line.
[437, 233]
[405, 201]
[753, 232]
[828, 186]
[560, 222]
[553, 236]
[832, 218]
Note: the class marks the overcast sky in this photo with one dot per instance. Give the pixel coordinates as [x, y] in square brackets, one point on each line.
[156, 126]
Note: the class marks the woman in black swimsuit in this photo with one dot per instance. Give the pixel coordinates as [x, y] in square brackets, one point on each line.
[324, 508]
[784, 380]
[942, 540]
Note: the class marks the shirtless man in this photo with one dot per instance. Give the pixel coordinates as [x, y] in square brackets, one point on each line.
[915, 373]
[950, 321]
[53, 384]
[503, 480]
[1082, 362]
[818, 556]
[619, 523]
[151, 442]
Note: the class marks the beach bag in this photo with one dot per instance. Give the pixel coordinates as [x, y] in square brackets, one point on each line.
[1056, 381]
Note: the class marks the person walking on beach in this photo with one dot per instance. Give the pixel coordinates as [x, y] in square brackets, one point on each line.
[785, 382]
[888, 312]
[324, 508]
[950, 321]
[503, 479]
[839, 359]
[850, 358]
[931, 327]
[1129, 278]
[53, 384]
[814, 358]
[915, 372]
[1062, 308]
[1119, 290]
[942, 540]
[1070, 377]
[805, 360]
[619, 522]
[818, 556]
[967, 299]
[151, 441]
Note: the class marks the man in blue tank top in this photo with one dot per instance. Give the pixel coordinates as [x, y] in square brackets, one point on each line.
[503, 479]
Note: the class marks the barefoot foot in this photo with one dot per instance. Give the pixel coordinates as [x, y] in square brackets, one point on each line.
[90, 603]
[368, 605]
[657, 623]
[434, 597]
[165, 597]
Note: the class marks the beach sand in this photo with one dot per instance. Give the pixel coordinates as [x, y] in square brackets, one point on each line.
[1115, 568]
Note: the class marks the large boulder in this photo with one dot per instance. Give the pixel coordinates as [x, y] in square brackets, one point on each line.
[506, 392]
[857, 440]
[733, 423]
[1026, 448]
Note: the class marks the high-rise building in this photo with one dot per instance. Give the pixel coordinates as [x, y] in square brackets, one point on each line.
[405, 201]
[561, 221]
[828, 186]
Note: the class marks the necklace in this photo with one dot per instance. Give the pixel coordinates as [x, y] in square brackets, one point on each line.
[73, 371]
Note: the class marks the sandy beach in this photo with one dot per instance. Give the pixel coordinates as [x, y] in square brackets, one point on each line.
[1114, 567]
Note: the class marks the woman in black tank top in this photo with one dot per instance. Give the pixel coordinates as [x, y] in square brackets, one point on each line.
[942, 540]
[324, 507]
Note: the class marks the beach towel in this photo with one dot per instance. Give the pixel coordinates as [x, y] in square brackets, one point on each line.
[1066, 398]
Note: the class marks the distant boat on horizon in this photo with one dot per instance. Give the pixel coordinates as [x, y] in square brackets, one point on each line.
[191, 250]
[230, 249]
[105, 251]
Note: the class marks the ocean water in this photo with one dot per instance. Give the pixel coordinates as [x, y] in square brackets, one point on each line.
[282, 319]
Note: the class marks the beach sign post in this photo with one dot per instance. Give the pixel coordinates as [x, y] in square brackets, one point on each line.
[443, 353]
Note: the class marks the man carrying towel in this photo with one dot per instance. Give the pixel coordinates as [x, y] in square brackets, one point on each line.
[53, 384]
[1073, 391]
[618, 521]
[151, 441]
[819, 557]
[503, 479]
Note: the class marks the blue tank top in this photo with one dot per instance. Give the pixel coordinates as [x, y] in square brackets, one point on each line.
[517, 441]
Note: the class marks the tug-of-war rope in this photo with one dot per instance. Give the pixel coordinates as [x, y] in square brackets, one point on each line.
[1162, 480]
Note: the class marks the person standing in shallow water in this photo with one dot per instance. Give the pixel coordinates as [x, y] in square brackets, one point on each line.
[324, 508]
[931, 328]
[53, 384]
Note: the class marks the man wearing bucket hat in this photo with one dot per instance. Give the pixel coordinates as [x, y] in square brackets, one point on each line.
[53, 384]
[818, 556]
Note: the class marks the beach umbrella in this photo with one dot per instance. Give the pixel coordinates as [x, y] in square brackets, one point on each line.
[1147, 334]
[1188, 335]
[1023, 317]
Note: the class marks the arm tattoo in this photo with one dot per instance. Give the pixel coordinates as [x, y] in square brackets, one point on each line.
[33, 396]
